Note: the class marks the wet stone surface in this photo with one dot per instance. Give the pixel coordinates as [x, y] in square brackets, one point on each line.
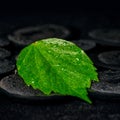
[107, 59]
[104, 90]
[4, 53]
[6, 66]
[13, 85]
[85, 44]
[109, 85]
[106, 36]
[25, 36]
[110, 76]
[110, 57]
[4, 42]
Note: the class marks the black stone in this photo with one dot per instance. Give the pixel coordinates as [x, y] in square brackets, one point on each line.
[14, 86]
[4, 42]
[6, 66]
[106, 36]
[4, 53]
[108, 85]
[105, 90]
[85, 44]
[110, 76]
[25, 36]
[109, 59]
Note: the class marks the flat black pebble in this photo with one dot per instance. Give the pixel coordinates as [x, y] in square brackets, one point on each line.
[6, 66]
[14, 85]
[106, 36]
[4, 53]
[109, 59]
[106, 89]
[108, 85]
[25, 36]
[85, 44]
[110, 76]
[4, 42]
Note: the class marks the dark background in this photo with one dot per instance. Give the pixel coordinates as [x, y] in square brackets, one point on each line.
[75, 7]
[49, 10]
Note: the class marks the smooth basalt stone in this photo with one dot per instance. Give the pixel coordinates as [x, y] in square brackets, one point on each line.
[4, 53]
[110, 76]
[108, 85]
[85, 44]
[106, 89]
[6, 66]
[4, 42]
[106, 36]
[27, 35]
[13, 85]
[109, 59]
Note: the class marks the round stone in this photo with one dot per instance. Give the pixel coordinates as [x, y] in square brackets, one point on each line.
[6, 66]
[14, 85]
[110, 57]
[110, 76]
[108, 85]
[4, 42]
[106, 36]
[85, 44]
[4, 53]
[25, 36]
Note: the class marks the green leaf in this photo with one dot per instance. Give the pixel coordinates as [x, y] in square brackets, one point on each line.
[56, 65]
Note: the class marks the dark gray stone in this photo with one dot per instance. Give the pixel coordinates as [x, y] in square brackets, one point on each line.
[25, 36]
[106, 36]
[85, 44]
[4, 53]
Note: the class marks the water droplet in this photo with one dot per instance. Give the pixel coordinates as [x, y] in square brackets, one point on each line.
[49, 51]
[77, 59]
[33, 82]
[55, 45]
[82, 51]
[64, 43]
[56, 56]
[62, 69]
[58, 65]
